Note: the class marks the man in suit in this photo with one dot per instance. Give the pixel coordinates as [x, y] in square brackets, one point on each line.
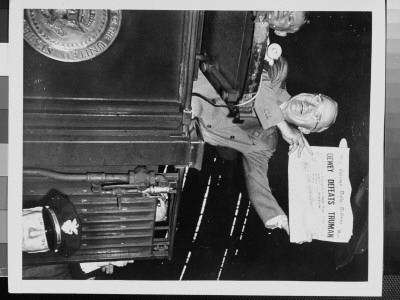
[257, 138]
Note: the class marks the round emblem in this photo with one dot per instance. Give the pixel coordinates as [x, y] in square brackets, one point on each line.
[71, 35]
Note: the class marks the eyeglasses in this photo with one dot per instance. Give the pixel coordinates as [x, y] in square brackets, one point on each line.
[317, 114]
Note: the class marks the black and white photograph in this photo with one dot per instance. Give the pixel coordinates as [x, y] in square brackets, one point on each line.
[181, 147]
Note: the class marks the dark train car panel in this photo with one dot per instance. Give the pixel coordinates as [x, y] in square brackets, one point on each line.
[87, 120]
[227, 38]
[144, 62]
[136, 91]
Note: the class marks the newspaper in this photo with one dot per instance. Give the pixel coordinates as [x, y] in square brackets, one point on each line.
[319, 195]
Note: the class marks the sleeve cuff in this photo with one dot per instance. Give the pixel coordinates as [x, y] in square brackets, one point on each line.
[276, 222]
[91, 266]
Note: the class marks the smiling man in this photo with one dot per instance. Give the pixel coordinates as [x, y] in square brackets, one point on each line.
[257, 138]
[305, 110]
[275, 107]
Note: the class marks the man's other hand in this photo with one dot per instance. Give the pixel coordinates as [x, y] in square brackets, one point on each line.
[308, 238]
[285, 226]
[109, 269]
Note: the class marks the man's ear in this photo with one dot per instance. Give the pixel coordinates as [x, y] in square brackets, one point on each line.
[304, 130]
[280, 33]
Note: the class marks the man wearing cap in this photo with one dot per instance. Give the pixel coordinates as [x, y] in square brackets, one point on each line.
[257, 138]
[55, 226]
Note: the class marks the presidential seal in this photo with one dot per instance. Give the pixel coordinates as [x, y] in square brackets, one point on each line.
[71, 35]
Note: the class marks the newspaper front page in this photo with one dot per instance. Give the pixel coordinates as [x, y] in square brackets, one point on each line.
[319, 195]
